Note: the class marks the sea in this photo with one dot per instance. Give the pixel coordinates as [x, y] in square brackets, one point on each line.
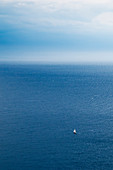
[41, 105]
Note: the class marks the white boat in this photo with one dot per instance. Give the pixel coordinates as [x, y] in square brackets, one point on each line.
[74, 131]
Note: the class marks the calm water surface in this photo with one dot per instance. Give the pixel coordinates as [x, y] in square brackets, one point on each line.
[40, 105]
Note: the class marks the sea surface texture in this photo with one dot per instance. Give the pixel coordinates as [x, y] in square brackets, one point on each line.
[41, 105]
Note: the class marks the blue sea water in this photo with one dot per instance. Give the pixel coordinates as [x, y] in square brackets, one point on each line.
[40, 105]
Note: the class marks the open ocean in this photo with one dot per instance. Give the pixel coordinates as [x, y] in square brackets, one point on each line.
[40, 105]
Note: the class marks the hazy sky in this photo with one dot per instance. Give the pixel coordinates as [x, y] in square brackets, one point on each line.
[56, 30]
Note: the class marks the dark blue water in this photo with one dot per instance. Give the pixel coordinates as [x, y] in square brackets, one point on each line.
[40, 105]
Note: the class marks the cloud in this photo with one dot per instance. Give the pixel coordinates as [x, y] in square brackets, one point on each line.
[58, 15]
[58, 4]
[62, 1]
[105, 19]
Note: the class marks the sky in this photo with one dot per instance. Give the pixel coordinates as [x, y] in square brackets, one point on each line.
[56, 30]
